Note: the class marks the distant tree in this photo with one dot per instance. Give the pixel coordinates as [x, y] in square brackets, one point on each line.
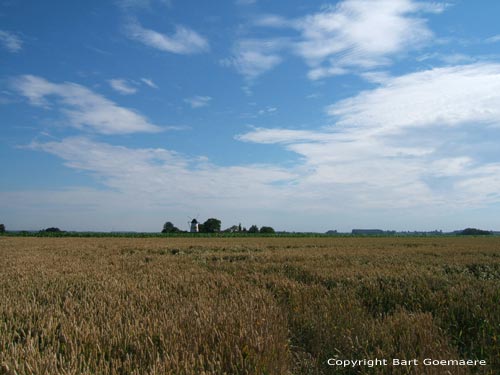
[267, 230]
[474, 232]
[2, 228]
[212, 225]
[168, 227]
[253, 229]
[231, 229]
[239, 227]
[52, 230]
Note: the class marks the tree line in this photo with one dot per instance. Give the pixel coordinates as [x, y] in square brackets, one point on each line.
[213, 225]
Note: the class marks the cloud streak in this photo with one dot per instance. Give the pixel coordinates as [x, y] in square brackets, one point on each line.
[81, 107]
[354, 35]
[359, 34]
[10, 41]
[253, 57]
[149, 82]
[122, 86]
[183, 41]
[447, 96]
[198, 101]
[144, 4]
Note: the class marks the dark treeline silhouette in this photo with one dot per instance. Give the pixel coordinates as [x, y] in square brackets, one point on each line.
[475, 232]
[213, 225]
[51, 230]
[168, 227]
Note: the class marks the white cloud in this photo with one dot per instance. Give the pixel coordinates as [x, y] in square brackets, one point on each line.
[122, 86]
[376, 76]
[158, 170]
[82, 107]
[184, 41]
[149, 82]
[144, 4]
[359, 34]
[450, 58]
[433, 7]
[247, 90]
[422, 141]
[443, 96]
[493, 39]
[252, 58]
[198, 101]
[267, 110]
[245, 2]
[283, 136]
[10, 41]
[322, 72]
[273, 20]
[354, 35]
[155, 181]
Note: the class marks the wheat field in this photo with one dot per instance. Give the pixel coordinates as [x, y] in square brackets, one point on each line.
[247, 305]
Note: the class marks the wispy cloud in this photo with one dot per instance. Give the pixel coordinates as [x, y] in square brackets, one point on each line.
[267, 110]
[254, 57]
[144, 4]
[10, 41]
[149, 82]
[493, 39]
[443, 96]
[259, 112]
[283, 136]
[420, 140]
[150, 179]
[359, 34]
[198, 101]
[82, 107]
[245, 2]
[183, 41]
[122, 86]
[450, 58]
[273, 20]
[353, 35]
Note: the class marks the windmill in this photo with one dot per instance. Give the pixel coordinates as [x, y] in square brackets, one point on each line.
[193, 225]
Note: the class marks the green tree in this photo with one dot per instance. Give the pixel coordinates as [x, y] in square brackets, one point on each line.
[53, 230]
[168, 227]
[231, 229]
[475, 232]
[212, 225]
[253, 229]
[2, 228]
[267, 230]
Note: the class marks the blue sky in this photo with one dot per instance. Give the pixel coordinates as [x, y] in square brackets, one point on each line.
[306, 116]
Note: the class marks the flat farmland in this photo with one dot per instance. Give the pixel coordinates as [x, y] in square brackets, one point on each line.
[248, 305]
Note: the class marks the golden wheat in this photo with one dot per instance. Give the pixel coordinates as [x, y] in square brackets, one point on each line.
[246, 305]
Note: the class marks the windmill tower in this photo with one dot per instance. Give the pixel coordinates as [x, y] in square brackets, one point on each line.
[194, 226]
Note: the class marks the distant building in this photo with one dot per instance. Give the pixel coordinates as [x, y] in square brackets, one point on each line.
[194, 226]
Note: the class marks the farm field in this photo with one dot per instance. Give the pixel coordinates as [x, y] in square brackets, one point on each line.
[247, 305]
